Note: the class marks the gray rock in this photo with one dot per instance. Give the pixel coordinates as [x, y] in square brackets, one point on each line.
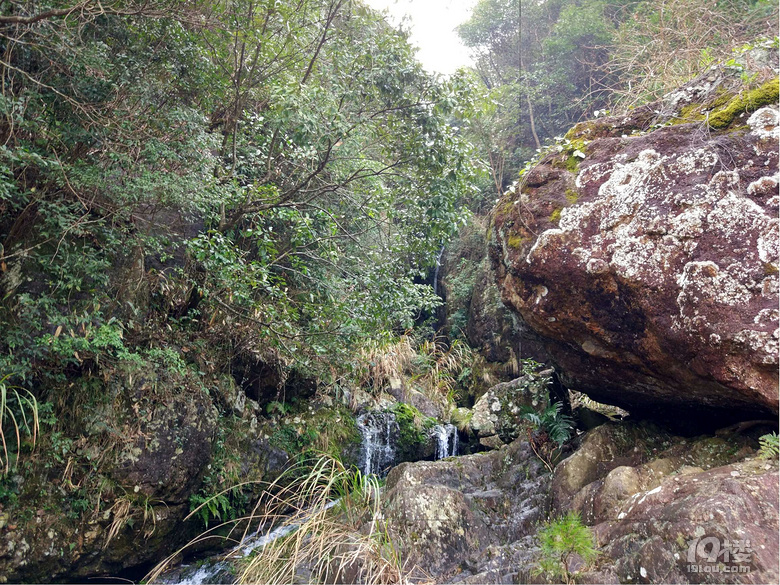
[441, 513]
[498, 411]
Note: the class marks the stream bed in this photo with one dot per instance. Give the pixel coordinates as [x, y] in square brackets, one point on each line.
[379, 435]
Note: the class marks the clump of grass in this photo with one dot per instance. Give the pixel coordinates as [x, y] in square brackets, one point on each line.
[18, 415]
[331, 526]
[442, 367]
[435, 368]
[461, 418]
[337, 534]
[383, 361]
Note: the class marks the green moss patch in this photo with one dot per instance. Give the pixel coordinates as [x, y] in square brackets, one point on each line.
[744, 103]
[515, 241]
[413, 429]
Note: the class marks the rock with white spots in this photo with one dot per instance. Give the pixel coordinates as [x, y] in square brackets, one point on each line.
[650, 267]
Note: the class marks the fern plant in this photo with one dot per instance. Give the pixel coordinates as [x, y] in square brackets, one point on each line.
[560, 541]
[548, 431]
[770, 446]
[551, 420]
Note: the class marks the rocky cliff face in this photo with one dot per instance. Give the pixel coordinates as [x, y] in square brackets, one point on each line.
[644, 251]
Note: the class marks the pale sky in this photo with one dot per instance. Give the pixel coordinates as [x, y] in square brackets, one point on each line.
[432, 24]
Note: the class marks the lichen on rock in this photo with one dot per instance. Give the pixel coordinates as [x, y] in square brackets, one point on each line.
[661, 275]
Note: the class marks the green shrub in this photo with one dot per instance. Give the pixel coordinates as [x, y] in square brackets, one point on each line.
[560, 540]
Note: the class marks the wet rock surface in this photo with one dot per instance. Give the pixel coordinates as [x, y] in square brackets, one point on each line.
[450, 516]
[647, 258]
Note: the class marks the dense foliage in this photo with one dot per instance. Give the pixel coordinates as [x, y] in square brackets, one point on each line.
[268, 176]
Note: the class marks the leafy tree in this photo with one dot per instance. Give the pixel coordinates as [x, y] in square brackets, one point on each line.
[310, 167]
[539, 63]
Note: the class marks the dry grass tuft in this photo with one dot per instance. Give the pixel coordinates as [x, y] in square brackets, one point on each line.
[336, 532]
[330, 526]
[667, 44]
[432, 366]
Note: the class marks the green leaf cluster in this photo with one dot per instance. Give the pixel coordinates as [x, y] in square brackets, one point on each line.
[560, 541]
[770, 446]
[557, 425]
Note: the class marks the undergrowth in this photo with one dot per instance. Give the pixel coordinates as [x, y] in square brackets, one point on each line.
[431, 366]
[329, 525]
[548, 431]
[770, 446]
[18, 417]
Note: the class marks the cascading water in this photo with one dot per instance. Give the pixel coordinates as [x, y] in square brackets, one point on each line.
[436, 272]
[220, 569]
[446, 440]
[379, 432]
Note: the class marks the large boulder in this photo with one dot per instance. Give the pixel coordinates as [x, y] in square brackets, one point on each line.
[644, 251]
[498, 412]
[714, 526]
[651, 496]
[449, 517]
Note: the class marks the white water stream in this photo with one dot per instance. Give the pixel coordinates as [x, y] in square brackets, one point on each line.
[378, 430]
[446, 440]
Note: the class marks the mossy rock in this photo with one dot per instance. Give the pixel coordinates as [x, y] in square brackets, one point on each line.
[515, 241]
[744, 102]
[414, 427]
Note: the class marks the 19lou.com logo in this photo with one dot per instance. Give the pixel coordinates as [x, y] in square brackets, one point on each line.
[711, 555]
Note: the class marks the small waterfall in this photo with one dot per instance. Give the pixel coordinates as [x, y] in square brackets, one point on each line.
[436, 272]
[379, 432]
[446, 440]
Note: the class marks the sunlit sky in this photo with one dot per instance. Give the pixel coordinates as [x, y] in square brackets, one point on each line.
[432, 24]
